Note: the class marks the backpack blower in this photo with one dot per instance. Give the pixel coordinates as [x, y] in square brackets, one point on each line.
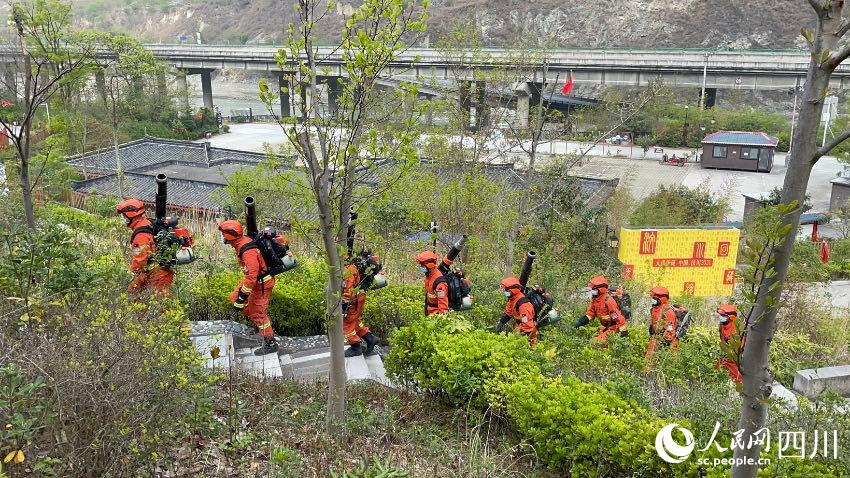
[460, 288]
[544, 310]
[367, 264]
[273, 248]
[173, 243]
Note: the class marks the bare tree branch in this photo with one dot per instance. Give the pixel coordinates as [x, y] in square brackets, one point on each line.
[843, 136]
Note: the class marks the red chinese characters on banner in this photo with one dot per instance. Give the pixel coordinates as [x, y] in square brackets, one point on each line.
[648, 241]
[699, 250]
[690, 262]
[729, 277]
[723, 249]
[628, 271]
[690, 288]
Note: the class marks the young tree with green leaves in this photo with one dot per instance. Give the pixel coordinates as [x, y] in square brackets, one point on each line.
[51, 57]
[337, 148]
[829, 48]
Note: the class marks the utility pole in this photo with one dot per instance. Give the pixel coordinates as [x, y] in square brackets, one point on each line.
[704, 75]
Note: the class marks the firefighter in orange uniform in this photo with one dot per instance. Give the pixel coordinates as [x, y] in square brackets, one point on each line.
[147, 274]
[663, 324]
[519, 308]
[436, 288]
[353, 300]
[603, 307]
[253, 293]
[728, 317]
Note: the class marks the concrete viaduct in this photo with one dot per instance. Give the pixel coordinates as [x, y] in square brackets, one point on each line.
[708, 70]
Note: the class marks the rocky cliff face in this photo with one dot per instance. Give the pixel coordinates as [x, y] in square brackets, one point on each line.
[565, 23]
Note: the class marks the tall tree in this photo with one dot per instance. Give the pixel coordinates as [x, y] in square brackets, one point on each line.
[338, 145]
[829, 48]
[50, 57]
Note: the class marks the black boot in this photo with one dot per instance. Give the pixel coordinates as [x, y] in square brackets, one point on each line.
[371, 341]
[269, 346]
[354, 350]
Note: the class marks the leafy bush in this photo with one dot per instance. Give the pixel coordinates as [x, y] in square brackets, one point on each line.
[806, 264]
[580, 427]
[298, 301]
[120, 381]
[680, 206]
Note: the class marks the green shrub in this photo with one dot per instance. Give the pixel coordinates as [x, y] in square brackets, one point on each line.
[298, 301]
[580, 427]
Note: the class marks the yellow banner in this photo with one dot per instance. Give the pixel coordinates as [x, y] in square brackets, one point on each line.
[687, 261]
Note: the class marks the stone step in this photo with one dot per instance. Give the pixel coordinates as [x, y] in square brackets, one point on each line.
[264, 366]
[377, 371]
[356, 368]
[788, 397]
[204, 344]
[813, 382]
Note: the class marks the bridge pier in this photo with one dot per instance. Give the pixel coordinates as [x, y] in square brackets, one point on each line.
[285, 81]
[473, 109]
[100, 83]
[710, 97]
[182, 89]
[206, 88]
[333, 90]
[527, 97]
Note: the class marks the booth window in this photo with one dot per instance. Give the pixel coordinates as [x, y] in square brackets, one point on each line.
[719, 152]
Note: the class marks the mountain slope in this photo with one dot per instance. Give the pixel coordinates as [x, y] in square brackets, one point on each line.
[576, 23]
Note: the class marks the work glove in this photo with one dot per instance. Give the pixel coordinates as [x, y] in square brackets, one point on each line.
[501, 323]
[651, 329]
[581, 322]
[241, 299]
[624, 334]
[345, 305]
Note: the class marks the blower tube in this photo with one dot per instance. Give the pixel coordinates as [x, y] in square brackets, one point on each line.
[161, 194]
[525, 273]
[250, 217]
[447, 262]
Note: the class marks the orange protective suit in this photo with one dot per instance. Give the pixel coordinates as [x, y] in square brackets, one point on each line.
[611, 321]
[522, 312]
[352, 323]
[436, 293]
[256, 284]
[727, 330]
[663, 327]
[147, 275]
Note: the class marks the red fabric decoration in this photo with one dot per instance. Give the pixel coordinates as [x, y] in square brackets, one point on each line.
[568, 86]
[824, 253]
[815, 235]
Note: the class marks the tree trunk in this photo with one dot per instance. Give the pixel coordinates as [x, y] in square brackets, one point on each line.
[333, 293]
[757, 382]
[24, 144]
[119, 168]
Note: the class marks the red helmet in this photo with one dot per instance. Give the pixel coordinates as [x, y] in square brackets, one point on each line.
[727, 310]
[598, 282]
[131, 208]
[427, 259]
[659, 292]
[509, 283]
[231, 229]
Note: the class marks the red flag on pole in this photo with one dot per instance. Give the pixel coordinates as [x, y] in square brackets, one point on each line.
[568, 86]
[824, 252]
